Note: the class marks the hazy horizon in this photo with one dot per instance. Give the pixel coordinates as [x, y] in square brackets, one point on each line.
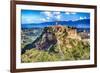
[41, 18]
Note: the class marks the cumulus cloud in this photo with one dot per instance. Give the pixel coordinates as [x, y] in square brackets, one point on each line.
[85, 17]
[51, 15]
[47, 13]
[43, 19]
[48, 18]
[73, 13]
[68, 13]
[75, 19]
[82, 18]
[58, 17]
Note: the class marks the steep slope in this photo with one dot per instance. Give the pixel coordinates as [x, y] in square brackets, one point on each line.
[56, 43]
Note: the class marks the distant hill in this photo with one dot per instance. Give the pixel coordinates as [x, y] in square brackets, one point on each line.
[85, 23]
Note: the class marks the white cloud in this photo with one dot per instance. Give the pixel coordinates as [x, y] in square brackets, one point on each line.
[83, 17]
[29, 20]
[47, 13]
[48, 18]
[58, 17]
[43, 19]
[67, 13]
[70, 13]
[75, 19]
[51, 15]
[73, 12]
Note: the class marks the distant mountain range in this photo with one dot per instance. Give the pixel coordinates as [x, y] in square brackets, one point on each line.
[85, 23]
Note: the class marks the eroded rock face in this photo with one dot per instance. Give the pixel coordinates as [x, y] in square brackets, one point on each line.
[52, 35]
[46, 39]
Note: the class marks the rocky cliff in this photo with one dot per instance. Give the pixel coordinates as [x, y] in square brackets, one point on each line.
[58, 40]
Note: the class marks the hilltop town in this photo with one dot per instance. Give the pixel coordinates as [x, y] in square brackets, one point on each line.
[55, 43]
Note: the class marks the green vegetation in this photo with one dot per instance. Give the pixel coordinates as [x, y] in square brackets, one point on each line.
[80, 51]
[66, 48]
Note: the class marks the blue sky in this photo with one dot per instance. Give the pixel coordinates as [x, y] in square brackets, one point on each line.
[36, 16]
